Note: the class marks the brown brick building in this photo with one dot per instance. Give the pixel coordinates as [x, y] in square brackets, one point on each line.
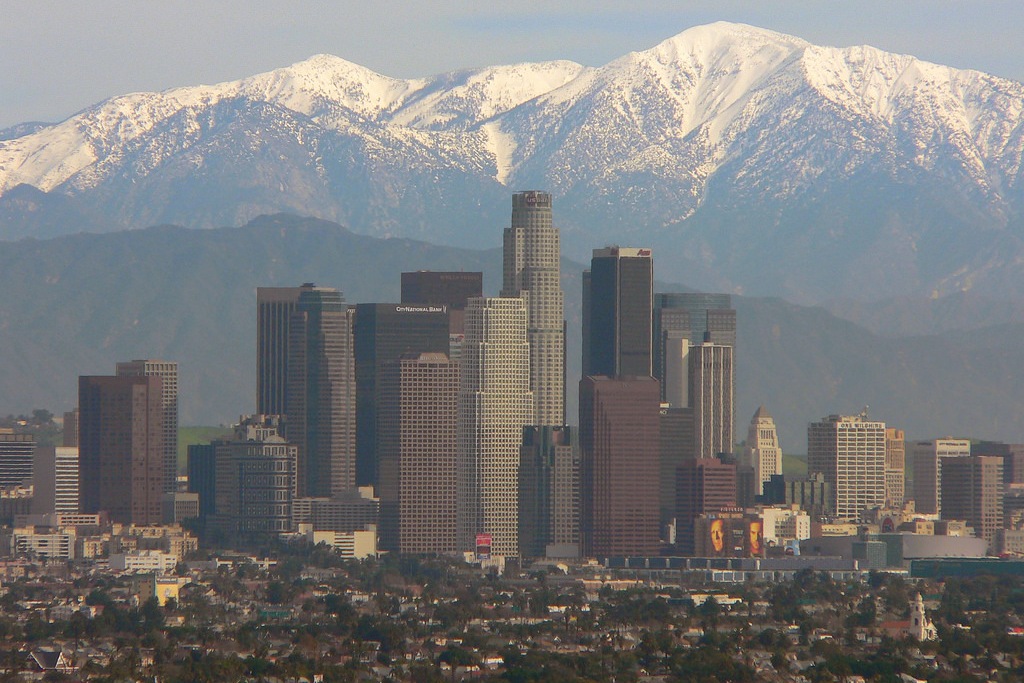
[619, 452]
[703, 485]
[417, 445]
[121, 452]
[972, 490]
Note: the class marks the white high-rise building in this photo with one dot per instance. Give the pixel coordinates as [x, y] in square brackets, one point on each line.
[763, 451]
[531, 271]
[849, 450]
[711, 397]
[675, 361]
[55, 480]
[167, 371]
[495, 403]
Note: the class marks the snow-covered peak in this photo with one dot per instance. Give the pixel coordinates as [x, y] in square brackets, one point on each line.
[465, 98]
[701, 75]
[724, 41]
[978, 115]
[867, 80]
[308, 85]
[681, 105]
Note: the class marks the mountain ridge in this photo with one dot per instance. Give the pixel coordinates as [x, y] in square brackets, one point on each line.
[762, 163]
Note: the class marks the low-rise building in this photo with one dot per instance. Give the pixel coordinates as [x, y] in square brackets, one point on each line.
[42, 542]
[355, 544]
[154, 561]
[163, 588]
[1010, 542]
[784, 523]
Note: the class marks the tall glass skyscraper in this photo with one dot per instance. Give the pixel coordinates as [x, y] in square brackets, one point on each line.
[531, 271]
[495, 403]
[617, 315]
[383, 333]
[274, 309]
[321, 416]
[694, 316]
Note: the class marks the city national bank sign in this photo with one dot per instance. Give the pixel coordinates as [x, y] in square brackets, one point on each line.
[407, 308]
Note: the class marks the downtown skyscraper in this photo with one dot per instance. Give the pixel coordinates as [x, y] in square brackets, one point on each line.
[712, 383]
[417, 414]
[383, 333]
[531, 271]
[494, 404]
[321, 395]
[620, 443]
[617, 316]
[167, 371]
[121, 447]
[681, 320]
[972, 490]
[274, 309]
[619, 452]
[926, 458]
[849, 450]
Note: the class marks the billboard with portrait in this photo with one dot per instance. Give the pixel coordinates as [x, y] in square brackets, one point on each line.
[717, 535]
[755, 537]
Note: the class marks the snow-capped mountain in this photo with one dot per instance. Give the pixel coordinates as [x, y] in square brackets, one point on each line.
[751, 160]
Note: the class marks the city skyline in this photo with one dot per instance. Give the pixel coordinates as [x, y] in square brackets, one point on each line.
[624, 486]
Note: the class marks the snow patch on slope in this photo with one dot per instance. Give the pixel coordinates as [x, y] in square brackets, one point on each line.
[502, 147]
[464, 99]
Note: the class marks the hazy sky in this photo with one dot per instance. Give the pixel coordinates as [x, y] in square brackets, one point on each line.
[57, 57]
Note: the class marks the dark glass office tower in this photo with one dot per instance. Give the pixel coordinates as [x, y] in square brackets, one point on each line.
[972, 490]
[274, 309]
[121, 453]
[321, 416]
[383, 333]
[618, 322]
[202, 469]
[451, 288]
[676, 448]
[549, 492]
[706, 313]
